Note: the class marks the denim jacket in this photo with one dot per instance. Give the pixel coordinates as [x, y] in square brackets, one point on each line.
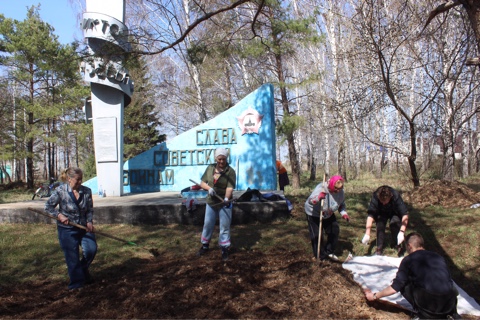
[79, 211]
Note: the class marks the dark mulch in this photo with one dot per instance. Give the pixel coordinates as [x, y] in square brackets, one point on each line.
[251, 284]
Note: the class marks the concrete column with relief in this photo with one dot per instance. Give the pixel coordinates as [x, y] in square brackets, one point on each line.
[111, 88]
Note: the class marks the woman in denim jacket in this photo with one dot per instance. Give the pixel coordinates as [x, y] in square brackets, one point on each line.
[75, 204]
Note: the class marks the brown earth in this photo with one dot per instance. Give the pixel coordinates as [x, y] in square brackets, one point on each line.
[250, 285]
[280, 284]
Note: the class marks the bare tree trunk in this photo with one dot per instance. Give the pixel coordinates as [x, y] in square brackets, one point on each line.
[292, 152]
[311, 150]
[448, 167]
[30, 140]
[325, 143]
[466, 150]
[5, 175]
[333, 28]
[30, 178]
[413, 156]
[377, 158]
[473, 12]
[228, 84]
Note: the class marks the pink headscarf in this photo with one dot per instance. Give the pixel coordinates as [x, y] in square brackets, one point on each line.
[333, 180]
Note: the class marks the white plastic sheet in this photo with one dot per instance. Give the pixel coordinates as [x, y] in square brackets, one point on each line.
[377, 272]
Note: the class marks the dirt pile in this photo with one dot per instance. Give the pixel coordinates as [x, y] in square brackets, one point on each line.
[445, 193]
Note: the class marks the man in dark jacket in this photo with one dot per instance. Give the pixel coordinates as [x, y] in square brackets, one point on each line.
[387, 204]
[424, 281]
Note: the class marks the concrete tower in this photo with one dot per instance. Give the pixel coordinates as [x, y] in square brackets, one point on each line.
[107, 38]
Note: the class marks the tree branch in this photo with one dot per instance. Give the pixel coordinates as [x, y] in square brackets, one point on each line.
[440, 9]
[194, 24]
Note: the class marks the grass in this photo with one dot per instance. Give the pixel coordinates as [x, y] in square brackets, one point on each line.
[30, 252]
[18, 194]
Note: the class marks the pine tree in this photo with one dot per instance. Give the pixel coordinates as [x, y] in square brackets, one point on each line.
[141, 124]
[48, 88]
[280, 33]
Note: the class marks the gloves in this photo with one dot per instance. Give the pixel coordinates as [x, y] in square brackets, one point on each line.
[320, 197]
[211, 192]
[365, 239]
[345, 216]
[400, 237]
[228, 203]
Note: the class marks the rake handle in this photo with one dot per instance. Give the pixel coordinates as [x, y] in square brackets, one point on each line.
[320, 227]
[216, 195]
[80, 226]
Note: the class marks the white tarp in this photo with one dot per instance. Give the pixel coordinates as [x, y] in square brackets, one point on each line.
[377, 272]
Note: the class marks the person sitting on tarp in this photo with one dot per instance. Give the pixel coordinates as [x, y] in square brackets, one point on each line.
[424, 281]
[387, 204]
[334, 199]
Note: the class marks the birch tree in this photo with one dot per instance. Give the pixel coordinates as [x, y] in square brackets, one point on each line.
[383, 32]
[455, 43]
[472, 8]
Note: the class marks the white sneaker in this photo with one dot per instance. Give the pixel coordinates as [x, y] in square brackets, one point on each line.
[333, 257]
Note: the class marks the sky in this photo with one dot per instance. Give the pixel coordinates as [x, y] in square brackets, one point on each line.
[58, 13]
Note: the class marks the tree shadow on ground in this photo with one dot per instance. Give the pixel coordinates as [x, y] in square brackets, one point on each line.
[419, 224]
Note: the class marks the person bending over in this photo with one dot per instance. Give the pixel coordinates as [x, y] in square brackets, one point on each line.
[387, 204]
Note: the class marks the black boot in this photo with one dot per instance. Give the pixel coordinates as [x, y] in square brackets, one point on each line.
[224, 253]
[203, 250]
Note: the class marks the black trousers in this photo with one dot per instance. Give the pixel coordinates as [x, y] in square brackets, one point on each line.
[430, 305]
[283, 180]
[330, 228]
[395, 224]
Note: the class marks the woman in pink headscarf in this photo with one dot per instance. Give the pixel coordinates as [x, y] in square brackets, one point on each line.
[333, 197]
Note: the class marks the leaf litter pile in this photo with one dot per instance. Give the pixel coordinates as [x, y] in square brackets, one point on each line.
[278, 284]
[448, 194]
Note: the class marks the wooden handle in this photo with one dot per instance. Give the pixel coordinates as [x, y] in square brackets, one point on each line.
[56, 218]
[79, 226]
[216, 195]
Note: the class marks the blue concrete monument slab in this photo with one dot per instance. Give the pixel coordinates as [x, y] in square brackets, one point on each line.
[247, 130]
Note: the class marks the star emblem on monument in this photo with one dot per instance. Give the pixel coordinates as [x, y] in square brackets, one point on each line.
[250, 121]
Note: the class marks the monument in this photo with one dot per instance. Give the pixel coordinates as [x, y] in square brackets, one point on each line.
[247, 129]
[111, 88]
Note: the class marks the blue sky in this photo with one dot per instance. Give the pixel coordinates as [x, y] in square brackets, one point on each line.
[58, 13]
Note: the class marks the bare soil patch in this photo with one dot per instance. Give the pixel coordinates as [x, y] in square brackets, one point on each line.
[250, 285]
